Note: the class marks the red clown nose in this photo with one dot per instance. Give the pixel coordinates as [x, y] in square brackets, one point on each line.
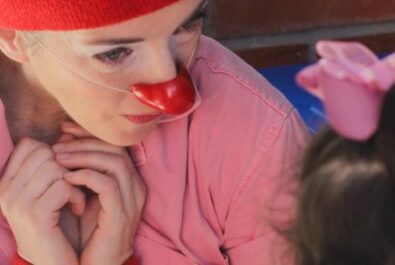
[173, 97]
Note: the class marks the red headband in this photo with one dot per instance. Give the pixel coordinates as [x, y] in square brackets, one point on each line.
[72, 14]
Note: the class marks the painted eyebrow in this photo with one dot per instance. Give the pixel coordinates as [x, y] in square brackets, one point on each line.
[108, 42]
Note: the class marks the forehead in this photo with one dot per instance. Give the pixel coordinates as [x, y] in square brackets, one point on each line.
[160, 23]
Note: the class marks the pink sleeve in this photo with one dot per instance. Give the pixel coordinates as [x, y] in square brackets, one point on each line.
[263, 198]
[7, 245]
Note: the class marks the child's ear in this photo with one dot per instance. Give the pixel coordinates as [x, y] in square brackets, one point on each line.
[13, 45]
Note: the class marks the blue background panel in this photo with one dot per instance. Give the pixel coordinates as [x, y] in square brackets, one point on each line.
[309, 107]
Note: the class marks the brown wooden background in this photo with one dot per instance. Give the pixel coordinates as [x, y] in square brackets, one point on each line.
[276, 32]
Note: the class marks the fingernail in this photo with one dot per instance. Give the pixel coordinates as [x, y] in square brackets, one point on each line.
[62, 156]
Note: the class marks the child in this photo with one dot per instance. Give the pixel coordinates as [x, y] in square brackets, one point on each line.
[346, 203]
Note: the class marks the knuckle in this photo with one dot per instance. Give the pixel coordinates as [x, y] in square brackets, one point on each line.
[45, 151]
[29, 143]
[52, 166]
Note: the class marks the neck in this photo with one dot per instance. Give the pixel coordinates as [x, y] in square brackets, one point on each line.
[30, 110]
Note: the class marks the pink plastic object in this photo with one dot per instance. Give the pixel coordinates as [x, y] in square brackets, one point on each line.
[352, 83]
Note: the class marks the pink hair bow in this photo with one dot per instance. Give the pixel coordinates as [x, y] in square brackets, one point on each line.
[352, 83]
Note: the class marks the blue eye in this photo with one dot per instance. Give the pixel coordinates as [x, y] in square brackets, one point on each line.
[114, 56]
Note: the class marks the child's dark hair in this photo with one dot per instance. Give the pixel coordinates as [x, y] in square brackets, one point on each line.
[346, 201]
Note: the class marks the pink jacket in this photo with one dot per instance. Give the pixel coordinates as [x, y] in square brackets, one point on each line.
[212, 177]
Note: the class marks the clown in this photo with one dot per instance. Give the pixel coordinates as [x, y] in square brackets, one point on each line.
[127, 137]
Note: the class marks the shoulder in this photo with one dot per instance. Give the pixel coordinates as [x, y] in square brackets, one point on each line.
[237, 101]
[244, 133]
[216, 66]
[242, 118]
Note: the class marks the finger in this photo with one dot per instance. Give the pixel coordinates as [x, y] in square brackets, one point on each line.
[77, 201]
[75, 129]
[139, 192]
[45, 176]
[87, 145]
[19, 154]
[61, 193]
[114, 165]
[32, 162]
[106, 188]
[134, 205]
[66, 137]
[88, 223]
[108, 163]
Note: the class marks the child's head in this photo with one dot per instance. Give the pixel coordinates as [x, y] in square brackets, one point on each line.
[346, 201]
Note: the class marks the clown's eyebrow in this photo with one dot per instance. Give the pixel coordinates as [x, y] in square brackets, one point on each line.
[122, 41]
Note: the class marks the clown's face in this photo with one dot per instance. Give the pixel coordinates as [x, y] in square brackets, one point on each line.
[75, 66]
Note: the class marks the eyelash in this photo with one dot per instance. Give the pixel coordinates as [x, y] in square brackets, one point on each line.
[123, 52]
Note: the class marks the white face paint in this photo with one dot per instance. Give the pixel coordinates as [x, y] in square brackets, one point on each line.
[84, 70]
